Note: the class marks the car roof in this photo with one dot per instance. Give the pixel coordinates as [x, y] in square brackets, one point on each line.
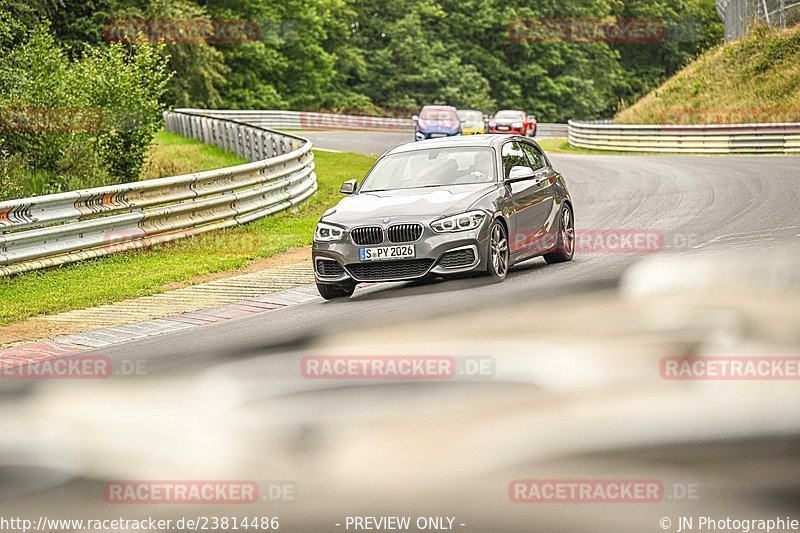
[458, 141]
[448, 107]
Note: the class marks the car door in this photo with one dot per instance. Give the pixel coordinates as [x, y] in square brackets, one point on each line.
[520, 196]
[543, 209]
[531, 201]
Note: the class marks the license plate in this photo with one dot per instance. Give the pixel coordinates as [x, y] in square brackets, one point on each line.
[504, 128]
[437, 135]
[388, 252]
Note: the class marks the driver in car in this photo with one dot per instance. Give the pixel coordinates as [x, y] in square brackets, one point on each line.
[481, 166]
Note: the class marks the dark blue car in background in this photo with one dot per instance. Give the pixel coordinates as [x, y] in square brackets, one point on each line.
[436, 121]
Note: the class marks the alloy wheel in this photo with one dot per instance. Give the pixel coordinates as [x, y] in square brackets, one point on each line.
[567, 232]
[499, 250]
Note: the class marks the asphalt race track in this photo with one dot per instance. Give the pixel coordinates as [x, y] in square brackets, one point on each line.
[697, 203]
[373, 143]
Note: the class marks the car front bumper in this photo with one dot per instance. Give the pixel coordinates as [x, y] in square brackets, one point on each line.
[421, 135]
[510, 130]
[432, 257]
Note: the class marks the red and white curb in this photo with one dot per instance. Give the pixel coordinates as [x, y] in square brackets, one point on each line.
[68, 345]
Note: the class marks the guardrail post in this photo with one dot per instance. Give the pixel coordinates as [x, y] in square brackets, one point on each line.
[248, 144]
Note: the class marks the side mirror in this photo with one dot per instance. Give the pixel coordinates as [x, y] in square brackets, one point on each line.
[415, 118]
[520, 173]
[348, 187]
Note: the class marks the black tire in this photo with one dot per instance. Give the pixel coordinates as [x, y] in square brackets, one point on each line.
[329, 292]
[498, 255]
[564, 249]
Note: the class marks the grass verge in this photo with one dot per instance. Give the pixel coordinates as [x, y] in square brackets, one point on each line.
[173, 155]
[755, 79]
[561, 144]
[128, 275]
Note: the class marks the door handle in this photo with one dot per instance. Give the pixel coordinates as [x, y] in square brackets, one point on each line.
[541, 176]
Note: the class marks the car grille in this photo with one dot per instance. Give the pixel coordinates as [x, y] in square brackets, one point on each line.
[458, 258]
[404, 232]
[329, 269]
[383, 270]
[368, 235]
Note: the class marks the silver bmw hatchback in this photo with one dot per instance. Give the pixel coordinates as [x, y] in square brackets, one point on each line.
[445, 207]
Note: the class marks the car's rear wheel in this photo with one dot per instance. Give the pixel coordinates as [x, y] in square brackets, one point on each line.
[565, 244]
[498, 251]
[329, 292]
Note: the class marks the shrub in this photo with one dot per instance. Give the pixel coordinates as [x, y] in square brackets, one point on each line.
[76, 123]
[126, 84]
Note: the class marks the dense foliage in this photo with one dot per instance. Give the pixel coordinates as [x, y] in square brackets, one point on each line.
[369, 56]
[366, 55]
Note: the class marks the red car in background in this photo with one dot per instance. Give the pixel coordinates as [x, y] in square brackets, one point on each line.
[513, 121]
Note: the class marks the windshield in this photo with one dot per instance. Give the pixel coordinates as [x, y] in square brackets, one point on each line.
[431, 168]
[510, 114]
[470, 116]
[437, 113]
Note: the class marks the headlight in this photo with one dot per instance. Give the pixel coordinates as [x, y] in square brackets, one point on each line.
[463, 222]
[493, 124]
[517, 125]
[327, 233]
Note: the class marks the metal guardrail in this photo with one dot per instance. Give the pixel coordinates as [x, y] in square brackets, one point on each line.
[303, 120]
[781, 138]
[306, 120]
[46, 231]
[551, 129]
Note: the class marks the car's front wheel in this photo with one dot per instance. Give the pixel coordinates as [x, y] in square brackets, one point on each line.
[498, 251]
[329, 292]
[565, 244]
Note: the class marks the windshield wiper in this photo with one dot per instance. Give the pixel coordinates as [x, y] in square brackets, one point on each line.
[424, 186]
[404, 188]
